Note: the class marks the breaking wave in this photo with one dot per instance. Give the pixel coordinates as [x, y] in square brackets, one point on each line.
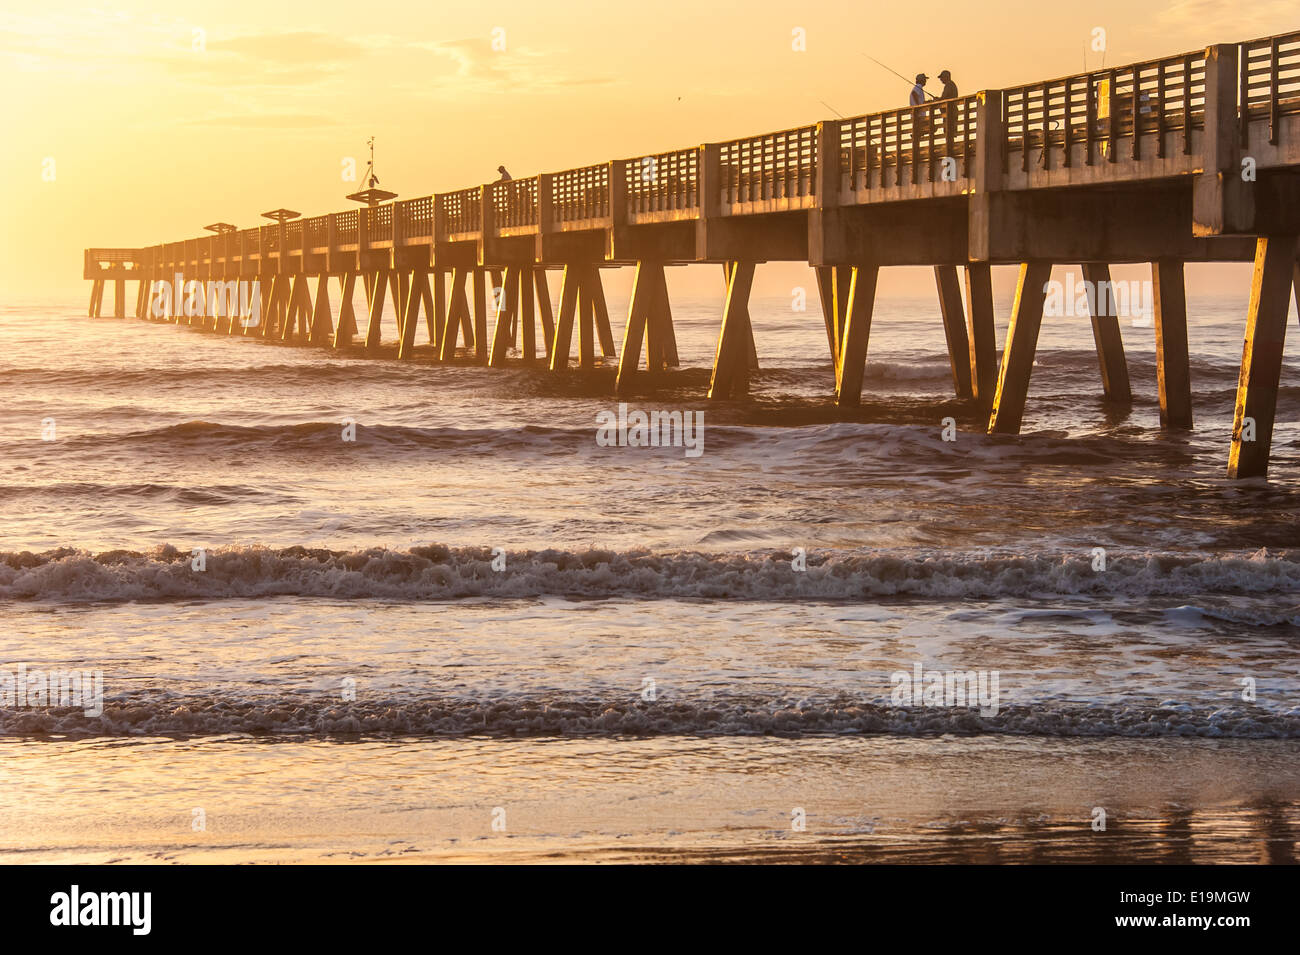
[440, 572]
[560, 717]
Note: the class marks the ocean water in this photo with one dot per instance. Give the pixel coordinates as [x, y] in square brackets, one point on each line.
[473, 633]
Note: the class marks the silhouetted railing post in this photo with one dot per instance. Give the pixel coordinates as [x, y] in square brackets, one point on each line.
[331, 240]
[617, 192]
[826, 185]
[545, 203]
[991, 147]
[991, 141]
[710, 172]
[487, 222]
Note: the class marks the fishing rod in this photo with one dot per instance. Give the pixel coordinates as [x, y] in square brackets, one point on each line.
[898, 74]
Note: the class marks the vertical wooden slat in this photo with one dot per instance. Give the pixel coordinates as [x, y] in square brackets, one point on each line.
[1024, 128]
[1090, 119]
[1273, 94]
[1068, 120]
[1243, 117]
[1112, 131]
[1137, 114]
[1160, 110]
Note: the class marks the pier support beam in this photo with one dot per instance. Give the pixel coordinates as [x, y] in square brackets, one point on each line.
[1173, 367]
[650, 320]
[1105, 333]
[409, 310]
[861, 302]
[435, 309]
[347, 326]
[480, 317]
[503, 335]
[601, 313]
[954, 328]
[564, 321]
[661, 338]
[587, 318]
[1018, 353]
[526, 314]
[544, 308]
[379, 284]
[322, 320]
[751, 348]
[981, 333]
[830, 312]
[1276, 273]
[119, 298]
[645, 314]
[731, 361]
[458, 311]
[581, 301]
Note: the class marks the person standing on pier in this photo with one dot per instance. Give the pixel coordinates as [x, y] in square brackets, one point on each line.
[505, 176]
[950, 111]
[949, 87]
[918, 91]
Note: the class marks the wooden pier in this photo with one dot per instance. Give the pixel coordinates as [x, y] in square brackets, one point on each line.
[1190, 158]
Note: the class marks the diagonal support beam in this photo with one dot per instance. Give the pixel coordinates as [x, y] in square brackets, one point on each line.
[981, 333]
[731, 360]
[1018, 354]
[1276, 272]
[954, 328]
[1105, 333]
[860, 303]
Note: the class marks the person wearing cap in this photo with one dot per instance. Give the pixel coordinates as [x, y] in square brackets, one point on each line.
[918, 91]
[950, 111]
[505, 176]
[949, 87]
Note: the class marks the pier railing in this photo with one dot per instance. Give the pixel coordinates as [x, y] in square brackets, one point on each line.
[1081, 118]
[1270, 82]
[1120, 118]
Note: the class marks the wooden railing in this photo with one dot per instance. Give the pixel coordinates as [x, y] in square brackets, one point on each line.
[1094, 110]
[1155, 105]
[461, 211]
[580, 195]
[909, 146]
[412, 219]
[345, 226]
[1270, 82]
[770, 167]
[316, 232]
[664, 182]
[514, 203]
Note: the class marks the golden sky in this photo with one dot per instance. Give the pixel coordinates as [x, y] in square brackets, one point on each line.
[156, 119]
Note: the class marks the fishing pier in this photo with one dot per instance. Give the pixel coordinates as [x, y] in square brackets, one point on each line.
[1189, 158]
